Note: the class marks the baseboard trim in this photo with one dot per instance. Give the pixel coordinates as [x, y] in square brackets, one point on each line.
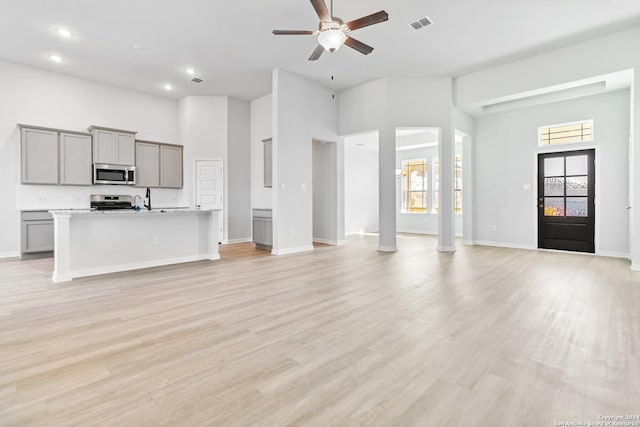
[635, 267]
[415, 231]
[128, 267]
[610, 254]
[357, 233]
[468, 242]
[291, 250]
[327, 241]
[624, 255]
[387, 249]
[231, 241]
[446, 248]
[504, 245]
[10, 254]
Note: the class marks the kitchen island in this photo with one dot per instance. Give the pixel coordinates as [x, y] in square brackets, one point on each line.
[88, 242]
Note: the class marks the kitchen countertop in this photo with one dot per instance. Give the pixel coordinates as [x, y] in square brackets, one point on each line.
[127, 211]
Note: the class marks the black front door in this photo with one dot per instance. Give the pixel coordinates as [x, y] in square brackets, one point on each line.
[566, 196]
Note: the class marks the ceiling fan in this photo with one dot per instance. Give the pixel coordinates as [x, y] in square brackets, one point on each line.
[333, 32]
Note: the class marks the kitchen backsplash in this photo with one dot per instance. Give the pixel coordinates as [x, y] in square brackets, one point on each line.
[34, 197]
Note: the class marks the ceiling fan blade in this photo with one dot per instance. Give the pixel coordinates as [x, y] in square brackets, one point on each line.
[321, 9]
[292, 32]
[364, 49]
[316, 53]
[365, 21]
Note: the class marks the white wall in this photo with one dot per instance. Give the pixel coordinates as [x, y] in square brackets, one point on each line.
[600, 56]
[239, 154]
[261, 125]
[302, 112]
[389, 103]
[204, 134]
[360, 187]
[505, 153]
[42, 98]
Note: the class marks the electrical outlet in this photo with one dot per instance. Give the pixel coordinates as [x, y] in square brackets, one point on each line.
[155, 240]
[494, 227]
[293, 231]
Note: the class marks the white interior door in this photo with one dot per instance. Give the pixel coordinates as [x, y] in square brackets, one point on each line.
[210, 187]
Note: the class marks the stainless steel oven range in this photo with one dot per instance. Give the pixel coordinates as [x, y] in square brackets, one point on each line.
[106, 202]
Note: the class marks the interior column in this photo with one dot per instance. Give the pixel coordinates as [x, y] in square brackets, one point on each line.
[446, 217]
[387, 182]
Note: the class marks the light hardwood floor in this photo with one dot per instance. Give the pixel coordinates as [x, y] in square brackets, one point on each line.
[342, 336]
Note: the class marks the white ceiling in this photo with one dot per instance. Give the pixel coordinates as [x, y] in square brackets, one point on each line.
[231, 46]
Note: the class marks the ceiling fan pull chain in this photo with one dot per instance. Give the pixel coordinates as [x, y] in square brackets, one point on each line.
[333, 89]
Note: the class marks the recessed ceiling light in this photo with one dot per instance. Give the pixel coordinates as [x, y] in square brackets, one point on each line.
[55, 58]
[167, 86]
[190, 71]
[64, 33]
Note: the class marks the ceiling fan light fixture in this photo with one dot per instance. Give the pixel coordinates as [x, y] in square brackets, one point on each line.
[332, 39]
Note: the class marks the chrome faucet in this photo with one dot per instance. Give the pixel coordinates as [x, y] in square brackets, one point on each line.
[147, 203]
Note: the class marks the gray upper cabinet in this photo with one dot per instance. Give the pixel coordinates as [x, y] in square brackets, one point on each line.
[75, 159]
[147, 164]
[113, 146]
[170, 166]
[268, 162]
[125, 148]
[54, 156]
[104, 147]
[158, 165]
[39, 156]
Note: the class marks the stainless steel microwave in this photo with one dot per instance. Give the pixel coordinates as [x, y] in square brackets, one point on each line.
[114, 174]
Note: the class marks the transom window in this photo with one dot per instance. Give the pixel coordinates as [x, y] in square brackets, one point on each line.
[566, 133]
[414, 194]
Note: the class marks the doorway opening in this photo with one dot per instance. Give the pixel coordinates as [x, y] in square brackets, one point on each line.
[566, 200]
[325, 192]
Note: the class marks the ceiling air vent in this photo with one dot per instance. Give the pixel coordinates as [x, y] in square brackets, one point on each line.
[420, 23]
[196, 79]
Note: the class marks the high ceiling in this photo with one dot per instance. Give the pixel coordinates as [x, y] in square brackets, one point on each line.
[143, 44]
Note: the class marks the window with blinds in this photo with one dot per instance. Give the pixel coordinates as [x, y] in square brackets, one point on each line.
[566, 133]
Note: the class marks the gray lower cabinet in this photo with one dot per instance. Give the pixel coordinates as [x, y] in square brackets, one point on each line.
[37, 234]
[54, 156]
[263, 229]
